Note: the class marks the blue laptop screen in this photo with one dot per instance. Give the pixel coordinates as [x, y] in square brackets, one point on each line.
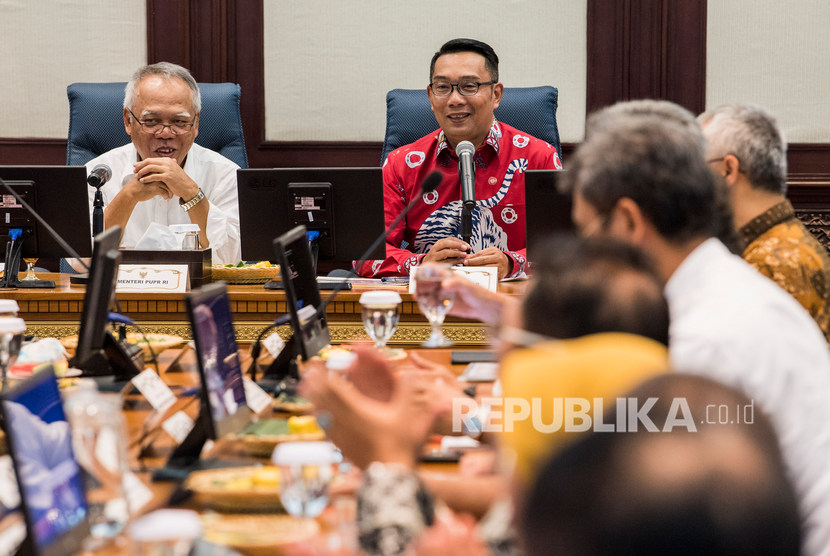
[41, 446]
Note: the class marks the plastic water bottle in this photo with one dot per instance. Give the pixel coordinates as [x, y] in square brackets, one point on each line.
[99, 433]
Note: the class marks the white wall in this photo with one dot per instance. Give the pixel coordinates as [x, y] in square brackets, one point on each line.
[776, 54]
[48, 44]
[329, 63]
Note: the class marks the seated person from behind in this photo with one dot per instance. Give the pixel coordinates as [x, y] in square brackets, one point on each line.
[464, 91]
[162, 176]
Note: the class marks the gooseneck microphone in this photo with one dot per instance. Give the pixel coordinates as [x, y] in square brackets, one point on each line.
[467, 177]
[97, 178]
[100, 175]
[429, 184]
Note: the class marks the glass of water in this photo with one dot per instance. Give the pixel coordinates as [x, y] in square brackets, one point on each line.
[381, 311]
[433, 301]
[11, 339]
[306, 468]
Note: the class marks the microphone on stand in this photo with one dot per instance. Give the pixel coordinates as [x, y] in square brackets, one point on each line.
[429, 184]
[97, 178]
[467, 177]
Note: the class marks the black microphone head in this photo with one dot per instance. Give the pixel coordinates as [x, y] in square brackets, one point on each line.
[99, 175]
[431, 182]
[465, 147]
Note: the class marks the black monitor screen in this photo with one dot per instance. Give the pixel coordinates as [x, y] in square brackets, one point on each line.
[59, 195]
[547, 211]
[223, 392]
[344, 204]
[52, 488]
[98, 298]
[301, 292]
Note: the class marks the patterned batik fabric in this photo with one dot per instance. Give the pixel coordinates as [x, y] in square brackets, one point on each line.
[781, 248]
[499, 216]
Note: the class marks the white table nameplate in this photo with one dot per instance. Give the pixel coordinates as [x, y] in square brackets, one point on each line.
[160, 278]
[484, 276]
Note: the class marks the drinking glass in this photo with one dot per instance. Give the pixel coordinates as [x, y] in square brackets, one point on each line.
[433, 301]
[30, 268]
[11, 338]
[306, 468]
[381, 311]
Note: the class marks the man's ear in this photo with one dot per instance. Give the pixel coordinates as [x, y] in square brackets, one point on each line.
[731, 169]
[629, 221]
[127, 127]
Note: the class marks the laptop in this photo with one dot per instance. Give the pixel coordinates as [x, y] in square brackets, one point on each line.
[52, 495]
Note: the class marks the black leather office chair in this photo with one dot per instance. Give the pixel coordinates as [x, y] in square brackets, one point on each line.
[96, 124]
[530, 109]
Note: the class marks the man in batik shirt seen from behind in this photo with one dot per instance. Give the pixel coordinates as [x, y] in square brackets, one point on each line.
[747, 151]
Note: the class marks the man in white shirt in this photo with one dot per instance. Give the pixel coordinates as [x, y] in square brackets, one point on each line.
[162, 176]
[643, 178]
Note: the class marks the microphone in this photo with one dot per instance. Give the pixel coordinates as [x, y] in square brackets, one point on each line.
[467, 177]
[99, 175]
[429, 184]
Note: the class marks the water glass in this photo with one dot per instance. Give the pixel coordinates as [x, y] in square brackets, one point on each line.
[381, 311]
[306, 468]
[11, 338]
[433, 301]
[99, 438]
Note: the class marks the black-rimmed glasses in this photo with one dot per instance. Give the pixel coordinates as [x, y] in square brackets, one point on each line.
[155, 127]
[465, 88]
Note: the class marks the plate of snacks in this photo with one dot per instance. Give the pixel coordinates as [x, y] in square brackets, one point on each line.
[245, 273]
[156, 342]
[258, 535]
[254, 488]
[260, 437]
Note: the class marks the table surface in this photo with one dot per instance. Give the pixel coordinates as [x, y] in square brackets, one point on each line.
[137, 410]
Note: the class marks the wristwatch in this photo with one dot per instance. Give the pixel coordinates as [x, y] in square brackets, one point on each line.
[186, 206]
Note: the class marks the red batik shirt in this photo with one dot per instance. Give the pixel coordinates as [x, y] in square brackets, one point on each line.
[499, 218]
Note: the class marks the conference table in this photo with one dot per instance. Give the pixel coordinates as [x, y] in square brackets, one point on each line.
[180, 375]
[57, 313]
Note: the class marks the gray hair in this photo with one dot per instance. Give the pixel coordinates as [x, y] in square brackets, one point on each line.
[655, 161]
[168, 71]
[751, 134]
[665, 109]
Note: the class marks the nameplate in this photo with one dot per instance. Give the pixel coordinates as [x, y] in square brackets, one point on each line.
[484, 276]
[161, 278]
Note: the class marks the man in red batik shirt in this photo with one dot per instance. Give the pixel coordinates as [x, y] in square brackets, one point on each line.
[463, 93]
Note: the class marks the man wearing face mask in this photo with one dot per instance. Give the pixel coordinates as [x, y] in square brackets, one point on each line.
[162, 176]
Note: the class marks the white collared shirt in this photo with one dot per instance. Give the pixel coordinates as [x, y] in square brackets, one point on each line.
[732, 324]
[214, 173]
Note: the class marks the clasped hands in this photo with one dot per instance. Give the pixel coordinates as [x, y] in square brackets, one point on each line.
[163, 177]
[452, 250]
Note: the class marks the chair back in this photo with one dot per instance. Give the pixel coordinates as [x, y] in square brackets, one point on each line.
[96, 124]
[529, 109]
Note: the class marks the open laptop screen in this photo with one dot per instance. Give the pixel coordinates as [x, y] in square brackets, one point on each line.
[51, 485]
[218, 359]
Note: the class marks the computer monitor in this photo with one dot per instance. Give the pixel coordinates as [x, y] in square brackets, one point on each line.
[223, 407]
[98, 353]
[51, 484]
[302, 296]
[59, 195]
[547, 211]
[345, 205]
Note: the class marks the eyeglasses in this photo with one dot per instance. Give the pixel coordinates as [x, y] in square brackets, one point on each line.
[155, 127]
[598, 224]
[465, 88]
[722, 158]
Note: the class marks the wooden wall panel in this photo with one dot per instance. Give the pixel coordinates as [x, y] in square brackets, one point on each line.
[636, 49]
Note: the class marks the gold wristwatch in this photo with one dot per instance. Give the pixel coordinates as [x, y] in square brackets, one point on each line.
[186, 206]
